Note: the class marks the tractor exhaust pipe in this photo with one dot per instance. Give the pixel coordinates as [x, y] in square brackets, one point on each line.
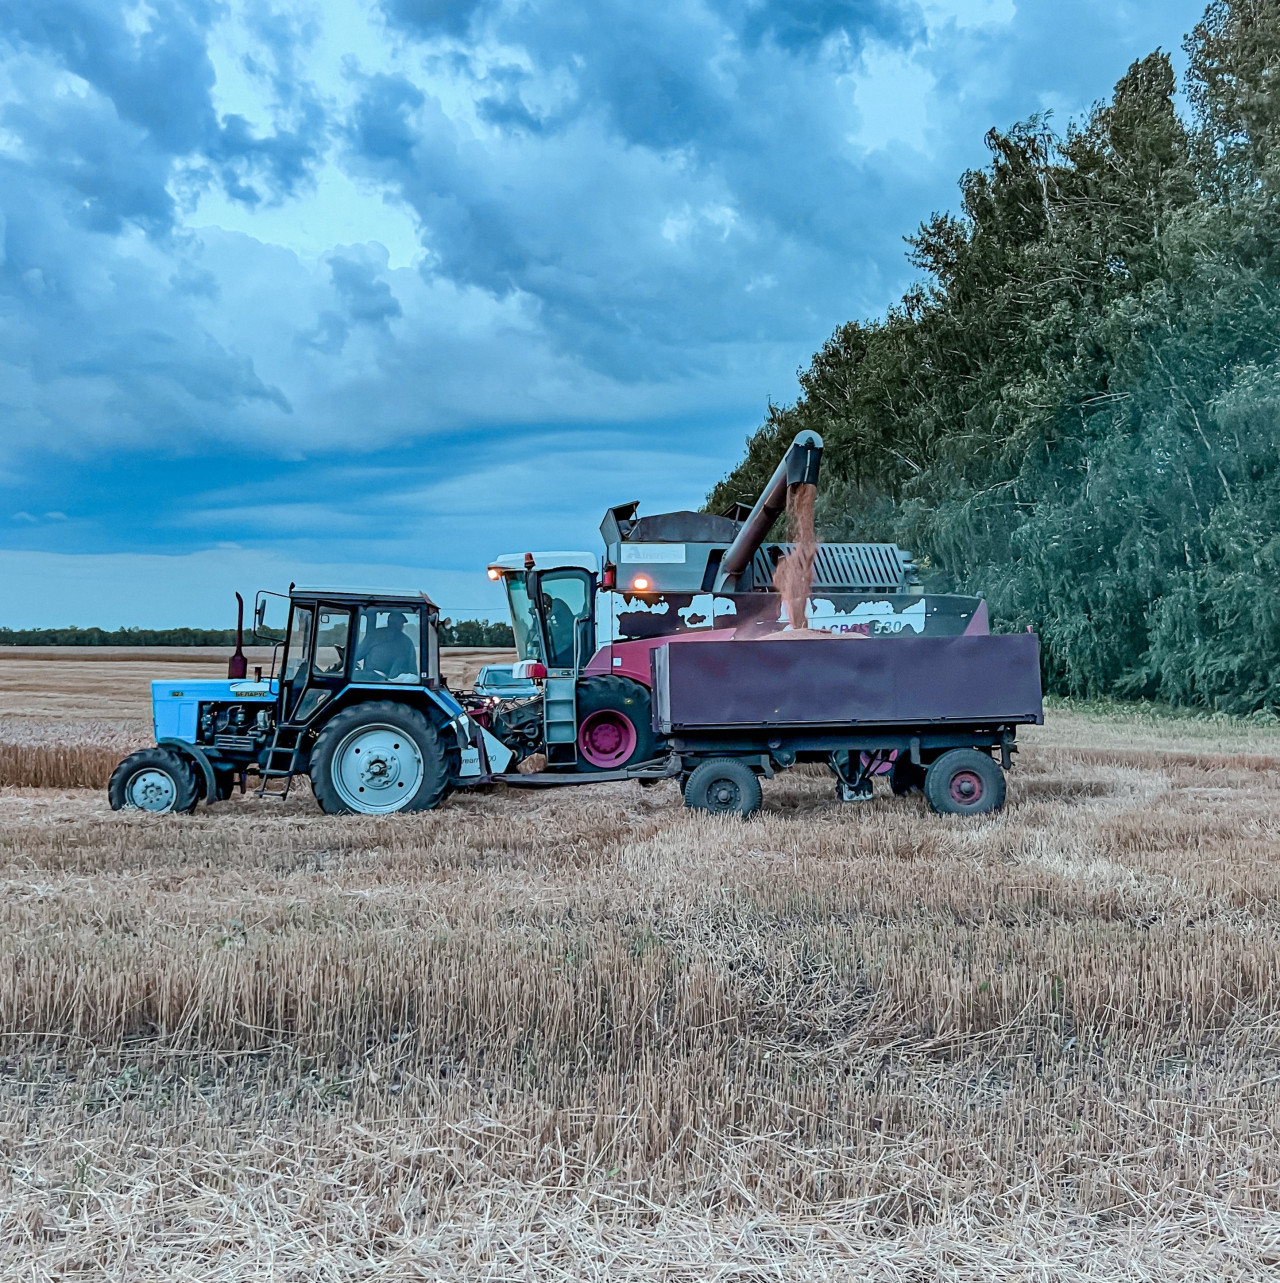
[799, 466]
[237, 665]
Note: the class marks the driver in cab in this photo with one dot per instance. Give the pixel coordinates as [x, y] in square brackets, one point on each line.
[386, 653]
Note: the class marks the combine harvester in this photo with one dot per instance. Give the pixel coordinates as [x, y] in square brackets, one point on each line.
[672, 659]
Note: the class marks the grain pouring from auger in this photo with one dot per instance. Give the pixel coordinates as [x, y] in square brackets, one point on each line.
[693, 650]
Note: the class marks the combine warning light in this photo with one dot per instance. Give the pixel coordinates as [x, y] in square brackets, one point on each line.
[640, 583]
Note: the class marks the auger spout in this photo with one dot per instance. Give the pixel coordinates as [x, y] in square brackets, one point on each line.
[799, 466]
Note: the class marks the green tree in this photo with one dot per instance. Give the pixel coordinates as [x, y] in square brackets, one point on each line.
[1074, 411]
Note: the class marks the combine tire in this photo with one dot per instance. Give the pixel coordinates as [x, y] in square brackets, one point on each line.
[156, 780]
[723, 786]
[614, 724]
[964, 782]
[378, 758]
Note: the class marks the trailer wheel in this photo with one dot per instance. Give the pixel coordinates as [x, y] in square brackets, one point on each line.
[378, 758]
[723, 786]
[614, 723]
[154, 779]
[964, 781]
[906, 777]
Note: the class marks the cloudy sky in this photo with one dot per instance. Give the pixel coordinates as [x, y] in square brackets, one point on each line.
[371, 290]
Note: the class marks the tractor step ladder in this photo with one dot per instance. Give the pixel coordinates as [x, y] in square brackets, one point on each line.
[282, 761]
[560, 709]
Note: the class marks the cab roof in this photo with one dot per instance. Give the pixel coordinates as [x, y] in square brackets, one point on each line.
[547, 561]
[362, 596]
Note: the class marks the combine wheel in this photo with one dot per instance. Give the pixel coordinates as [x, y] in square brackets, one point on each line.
[964, 781]
[155, 779]
[377, 758]
[614, 724]
[723, 786]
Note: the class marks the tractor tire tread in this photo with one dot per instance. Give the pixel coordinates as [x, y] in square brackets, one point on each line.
[436, 782]
[181, 771]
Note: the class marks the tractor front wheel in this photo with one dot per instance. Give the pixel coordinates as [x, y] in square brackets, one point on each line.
[378, 758]
[156, 780]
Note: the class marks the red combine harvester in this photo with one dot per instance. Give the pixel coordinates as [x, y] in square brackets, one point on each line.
[666, 659]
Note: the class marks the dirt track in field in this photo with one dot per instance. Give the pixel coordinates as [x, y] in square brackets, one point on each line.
[586, 1033]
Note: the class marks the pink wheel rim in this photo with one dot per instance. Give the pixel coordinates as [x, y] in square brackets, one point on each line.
[607, 738]
[966, 787]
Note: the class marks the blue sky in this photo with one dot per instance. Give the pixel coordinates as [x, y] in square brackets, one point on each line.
[370, 292]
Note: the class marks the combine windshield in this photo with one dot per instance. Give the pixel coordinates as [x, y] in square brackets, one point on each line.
[523, 622]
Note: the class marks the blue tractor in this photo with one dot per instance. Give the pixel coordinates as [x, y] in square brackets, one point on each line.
[359, 706]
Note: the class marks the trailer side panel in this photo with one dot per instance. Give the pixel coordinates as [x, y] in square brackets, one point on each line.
[874, 681]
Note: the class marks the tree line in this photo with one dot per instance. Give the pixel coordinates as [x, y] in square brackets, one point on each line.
[1075, 410]
[462, 632]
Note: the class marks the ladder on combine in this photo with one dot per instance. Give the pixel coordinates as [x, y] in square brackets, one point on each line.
[282, 761]
[560, 709]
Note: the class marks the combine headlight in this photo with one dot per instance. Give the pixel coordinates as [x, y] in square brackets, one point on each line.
[640, 583]
[494, 572]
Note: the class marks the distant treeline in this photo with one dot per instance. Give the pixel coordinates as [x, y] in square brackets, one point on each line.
[475, 632]
[1078, 409]
[463, 632]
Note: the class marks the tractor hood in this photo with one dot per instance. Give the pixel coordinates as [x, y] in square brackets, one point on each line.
[175, 706]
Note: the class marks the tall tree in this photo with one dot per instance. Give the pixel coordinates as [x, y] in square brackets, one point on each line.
[1074, 410]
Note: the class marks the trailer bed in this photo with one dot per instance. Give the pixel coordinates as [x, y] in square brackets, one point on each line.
[814, 683]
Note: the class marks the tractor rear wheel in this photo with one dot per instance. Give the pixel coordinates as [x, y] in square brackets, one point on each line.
[378, 758]
[964, 781]
[723, 786]
[614, 724]
[154, 779]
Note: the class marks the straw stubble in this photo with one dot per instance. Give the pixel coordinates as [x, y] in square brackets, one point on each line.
[589, 1034]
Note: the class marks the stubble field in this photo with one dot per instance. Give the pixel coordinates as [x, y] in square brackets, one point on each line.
[586, 1034]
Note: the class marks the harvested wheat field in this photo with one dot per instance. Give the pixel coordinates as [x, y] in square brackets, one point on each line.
[586, 1034]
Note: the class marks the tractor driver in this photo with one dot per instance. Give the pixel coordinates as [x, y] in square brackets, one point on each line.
[387, 652]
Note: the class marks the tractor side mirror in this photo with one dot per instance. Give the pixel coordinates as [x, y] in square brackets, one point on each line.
[270, 618]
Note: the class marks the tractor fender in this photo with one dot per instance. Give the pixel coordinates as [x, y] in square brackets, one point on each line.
[201, 759]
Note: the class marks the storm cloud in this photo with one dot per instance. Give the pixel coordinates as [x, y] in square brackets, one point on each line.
[335, 282]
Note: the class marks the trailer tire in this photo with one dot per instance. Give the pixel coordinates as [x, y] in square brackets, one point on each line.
[369, 753]
[156, 780]
[906, 777]
[964, 781]
[615, 724]
[723, 786]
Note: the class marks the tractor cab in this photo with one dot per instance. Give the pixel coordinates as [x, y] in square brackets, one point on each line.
[332, 639]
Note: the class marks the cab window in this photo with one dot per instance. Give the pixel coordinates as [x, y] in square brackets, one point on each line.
[388, 645]
[299, 640]
[565, 610]
[524, 623]
[333, 631]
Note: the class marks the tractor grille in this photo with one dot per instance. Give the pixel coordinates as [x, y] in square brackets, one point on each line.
[235, 743]
[851, 567]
